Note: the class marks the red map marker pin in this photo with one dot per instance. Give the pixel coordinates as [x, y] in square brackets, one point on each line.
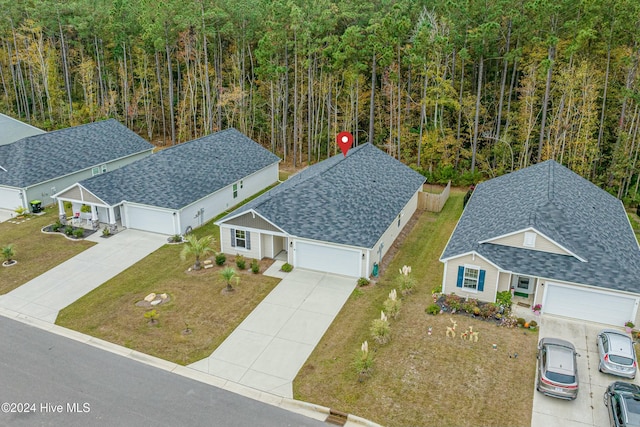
[344, 141]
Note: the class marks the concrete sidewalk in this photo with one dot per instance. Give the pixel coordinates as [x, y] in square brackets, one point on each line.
[44, 296]
[269, 347]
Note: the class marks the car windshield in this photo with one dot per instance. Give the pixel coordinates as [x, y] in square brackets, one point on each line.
[633, 411]
[621, 360]
[560, 378]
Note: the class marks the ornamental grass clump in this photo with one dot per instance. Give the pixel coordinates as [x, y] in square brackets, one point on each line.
[364, 361]
[392, 305]
[380, 329]
[407, 282]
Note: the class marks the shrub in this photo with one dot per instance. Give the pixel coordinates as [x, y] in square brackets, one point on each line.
[453, 301]
[20, 210]
[392, 305]
[533, 324]
[433, 309]
[363, 281]
[470, 305]
[520, 321]
[68, 230]
[488, 310]
[241, 262]
[286, 267]
[152, 315]
[176, 238]
[78, 233]
[221, 258]
[380, 329]
[255, 266]
[503, 299]
[56, 226]
[406, 281]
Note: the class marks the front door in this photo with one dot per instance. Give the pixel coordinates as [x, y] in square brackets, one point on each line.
[523, 286]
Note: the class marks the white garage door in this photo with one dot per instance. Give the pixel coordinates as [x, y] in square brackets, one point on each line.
[596, 306]
[149, 220]
[329, 259]
[9, 199]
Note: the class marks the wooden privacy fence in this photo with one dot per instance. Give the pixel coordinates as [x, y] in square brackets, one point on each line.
[433, 202]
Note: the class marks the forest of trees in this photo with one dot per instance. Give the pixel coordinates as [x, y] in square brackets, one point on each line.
[459, 89]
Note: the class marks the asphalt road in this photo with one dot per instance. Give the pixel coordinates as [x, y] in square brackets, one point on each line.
[49, 380]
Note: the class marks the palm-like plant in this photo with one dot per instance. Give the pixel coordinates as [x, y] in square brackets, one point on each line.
[8, 253]
[197, 247]
[228, 274]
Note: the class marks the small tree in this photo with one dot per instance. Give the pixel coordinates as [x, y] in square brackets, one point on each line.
[152, 315]
[196, 247]
[228, 274]
[8, 253]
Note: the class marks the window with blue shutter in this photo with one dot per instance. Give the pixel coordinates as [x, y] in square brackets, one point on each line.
[460, 276]
[248, 236]
[471, 278]
[481, 281]
[233, 238]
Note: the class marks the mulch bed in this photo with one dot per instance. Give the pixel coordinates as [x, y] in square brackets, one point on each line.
[49, 229]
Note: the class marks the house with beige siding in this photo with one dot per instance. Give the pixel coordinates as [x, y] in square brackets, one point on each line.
[550, 237]
[339, 216]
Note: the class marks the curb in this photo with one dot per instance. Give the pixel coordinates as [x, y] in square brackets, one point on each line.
[310, 410]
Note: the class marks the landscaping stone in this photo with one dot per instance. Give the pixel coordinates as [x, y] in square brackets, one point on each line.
[150, 297]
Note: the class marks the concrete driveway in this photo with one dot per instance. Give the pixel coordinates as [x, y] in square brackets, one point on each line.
[44, 296]
[588, 409]
[269, 347]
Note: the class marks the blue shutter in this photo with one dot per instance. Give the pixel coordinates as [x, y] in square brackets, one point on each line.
[481, 281]
[233, 238]
[247, 236]
[460, 276]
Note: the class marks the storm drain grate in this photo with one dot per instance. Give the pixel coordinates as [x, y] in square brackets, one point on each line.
[336, 417]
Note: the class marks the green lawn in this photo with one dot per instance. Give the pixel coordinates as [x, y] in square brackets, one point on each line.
[420, 379]
[36, 252]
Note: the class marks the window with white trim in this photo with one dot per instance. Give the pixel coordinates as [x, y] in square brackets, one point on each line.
[235, 190]
[529, 239]
[98, 170]
[241, 239]
[470, 280]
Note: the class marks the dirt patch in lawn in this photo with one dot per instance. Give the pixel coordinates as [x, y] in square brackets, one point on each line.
[195, 303]
[420, 379]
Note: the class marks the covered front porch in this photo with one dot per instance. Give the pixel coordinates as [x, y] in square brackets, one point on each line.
[88, 211]
[524, 289]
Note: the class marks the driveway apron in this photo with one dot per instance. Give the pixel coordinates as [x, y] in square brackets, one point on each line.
[44, 296]
[588, 408]
[269, 347]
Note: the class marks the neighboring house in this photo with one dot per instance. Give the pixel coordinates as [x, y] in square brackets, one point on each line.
[38, 166]
[12, 130]
[179, 187]
[551, 237]
[339, 216]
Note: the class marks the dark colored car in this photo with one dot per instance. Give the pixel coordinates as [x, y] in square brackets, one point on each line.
[557, 369]
[623, 401]
[617, 355]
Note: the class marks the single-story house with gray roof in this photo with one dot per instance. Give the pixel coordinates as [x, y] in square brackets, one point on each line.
[552, 238]
[177, 188]
[339, 216]
[38, 166]
[13, 129]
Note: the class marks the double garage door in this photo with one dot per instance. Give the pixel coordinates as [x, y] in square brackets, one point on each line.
[593, 305]
[330, 259]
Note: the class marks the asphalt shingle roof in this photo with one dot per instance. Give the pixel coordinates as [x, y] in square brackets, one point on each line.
[180, 175]
[348, 200]
[40, 158]
[12, 130]
[573, 212]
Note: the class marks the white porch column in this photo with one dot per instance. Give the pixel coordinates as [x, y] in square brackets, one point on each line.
[62, 215]
[112, 220]
[94, 217]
